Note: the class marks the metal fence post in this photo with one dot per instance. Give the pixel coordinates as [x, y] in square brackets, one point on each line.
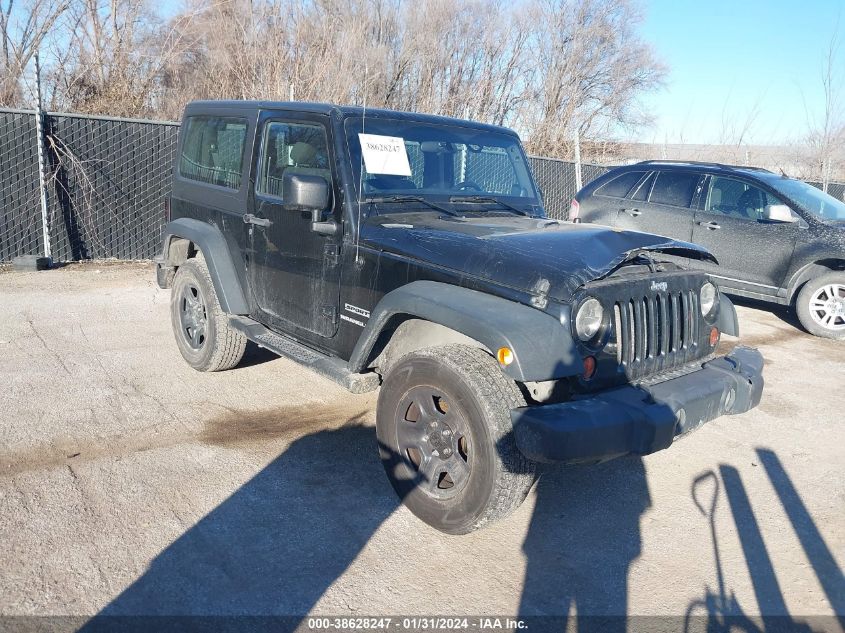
[826, 173]
[42, 172]
[578, 182]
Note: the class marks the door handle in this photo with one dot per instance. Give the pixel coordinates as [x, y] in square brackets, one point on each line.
[249, 218]
[634, 213]
[712, 226]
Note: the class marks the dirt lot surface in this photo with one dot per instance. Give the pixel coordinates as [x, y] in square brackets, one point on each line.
[129, 483]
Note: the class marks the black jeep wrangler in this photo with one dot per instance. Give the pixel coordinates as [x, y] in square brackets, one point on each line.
[412, 252]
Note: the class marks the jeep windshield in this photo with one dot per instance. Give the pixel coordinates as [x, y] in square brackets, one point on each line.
[813, 200]
[398, 161]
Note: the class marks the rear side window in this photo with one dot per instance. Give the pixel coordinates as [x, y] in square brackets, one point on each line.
[213, 150]
[675, 188]
[621, 185]
[643, 190]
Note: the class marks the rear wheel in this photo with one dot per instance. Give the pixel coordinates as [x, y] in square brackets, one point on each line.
[821, 306]
[445, 438]
[203, 334]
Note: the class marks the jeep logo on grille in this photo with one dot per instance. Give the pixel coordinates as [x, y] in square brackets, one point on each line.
[659, 285]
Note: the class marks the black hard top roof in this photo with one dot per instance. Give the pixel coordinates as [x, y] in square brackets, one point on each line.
[197, 107]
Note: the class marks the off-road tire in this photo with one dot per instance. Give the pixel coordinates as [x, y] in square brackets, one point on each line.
[480, 397]
[222, 347]
[804, 310]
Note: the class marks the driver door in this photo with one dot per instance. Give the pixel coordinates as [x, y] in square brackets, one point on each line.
[294, 273]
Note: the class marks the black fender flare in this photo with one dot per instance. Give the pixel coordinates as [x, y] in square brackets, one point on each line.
[727, 322]
[210, 242]
[542, 347]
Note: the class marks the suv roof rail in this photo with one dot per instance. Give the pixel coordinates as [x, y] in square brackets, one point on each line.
[700, 163]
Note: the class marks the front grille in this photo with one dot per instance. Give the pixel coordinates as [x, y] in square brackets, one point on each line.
[656, 332]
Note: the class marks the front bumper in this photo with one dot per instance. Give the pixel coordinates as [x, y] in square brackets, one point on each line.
[640, 419]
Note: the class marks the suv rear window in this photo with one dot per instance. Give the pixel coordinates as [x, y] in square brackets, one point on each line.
[621, 185]
[213, 150]
[674, 187]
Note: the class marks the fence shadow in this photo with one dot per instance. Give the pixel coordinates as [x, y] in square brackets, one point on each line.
[720, 607]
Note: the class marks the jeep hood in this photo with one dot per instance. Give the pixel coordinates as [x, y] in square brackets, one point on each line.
[529, 254]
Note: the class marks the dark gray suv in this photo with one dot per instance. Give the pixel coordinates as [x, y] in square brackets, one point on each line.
[776, 238]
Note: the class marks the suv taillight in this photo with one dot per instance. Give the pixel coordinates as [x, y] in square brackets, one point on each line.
[574, 210]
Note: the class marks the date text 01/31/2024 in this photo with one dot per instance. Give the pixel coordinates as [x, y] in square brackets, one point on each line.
[415, 623]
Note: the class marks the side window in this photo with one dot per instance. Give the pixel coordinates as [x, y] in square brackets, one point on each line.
[674, 188]
[621, 185]
[299, 148]
[643, 190]
[213, 150]
[737, 199]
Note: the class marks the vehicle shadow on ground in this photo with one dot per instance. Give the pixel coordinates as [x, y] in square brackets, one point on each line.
[273, 547]
[583, 537]
[255, 355]
[782, 312]
[279, 542]
[720, 608]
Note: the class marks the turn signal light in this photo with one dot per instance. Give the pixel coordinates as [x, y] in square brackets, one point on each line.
[714, 336]
[504, 356]
[589, 367]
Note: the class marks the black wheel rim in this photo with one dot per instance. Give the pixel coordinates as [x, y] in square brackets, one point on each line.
[434, 441]
[192, 316]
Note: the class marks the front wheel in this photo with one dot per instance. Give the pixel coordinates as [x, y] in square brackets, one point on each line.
[445, 438]
[821, 306]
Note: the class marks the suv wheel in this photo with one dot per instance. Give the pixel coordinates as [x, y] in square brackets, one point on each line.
[202, 330]
[821, 306]
[445, 439]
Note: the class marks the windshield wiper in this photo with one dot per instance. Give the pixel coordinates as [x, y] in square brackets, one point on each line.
[485, 200]
[419, 199]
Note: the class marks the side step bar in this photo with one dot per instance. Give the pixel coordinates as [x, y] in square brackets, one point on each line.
[330, 367]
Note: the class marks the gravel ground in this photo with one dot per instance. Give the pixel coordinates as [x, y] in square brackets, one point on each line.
[130, 483]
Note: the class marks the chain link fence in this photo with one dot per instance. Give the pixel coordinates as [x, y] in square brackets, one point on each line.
[20, 213]
[107, 179]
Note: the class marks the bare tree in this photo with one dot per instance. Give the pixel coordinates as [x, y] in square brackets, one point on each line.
[114, 58]
[546, 67]
[827, 129]
[588, 69]
[23, 28]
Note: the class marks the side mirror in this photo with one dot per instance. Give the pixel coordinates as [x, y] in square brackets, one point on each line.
[779, 213]
[301, 192]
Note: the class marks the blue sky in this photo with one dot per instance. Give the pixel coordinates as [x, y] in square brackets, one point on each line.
[728, 56]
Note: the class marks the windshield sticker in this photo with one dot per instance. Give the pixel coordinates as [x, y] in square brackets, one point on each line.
[385, 155]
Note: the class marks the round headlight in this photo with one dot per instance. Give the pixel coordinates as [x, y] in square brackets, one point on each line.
[588, 320]
[708, 296]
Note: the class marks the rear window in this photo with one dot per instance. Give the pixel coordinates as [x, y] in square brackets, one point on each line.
[621, 185]
[675, 188]
[213, 150]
